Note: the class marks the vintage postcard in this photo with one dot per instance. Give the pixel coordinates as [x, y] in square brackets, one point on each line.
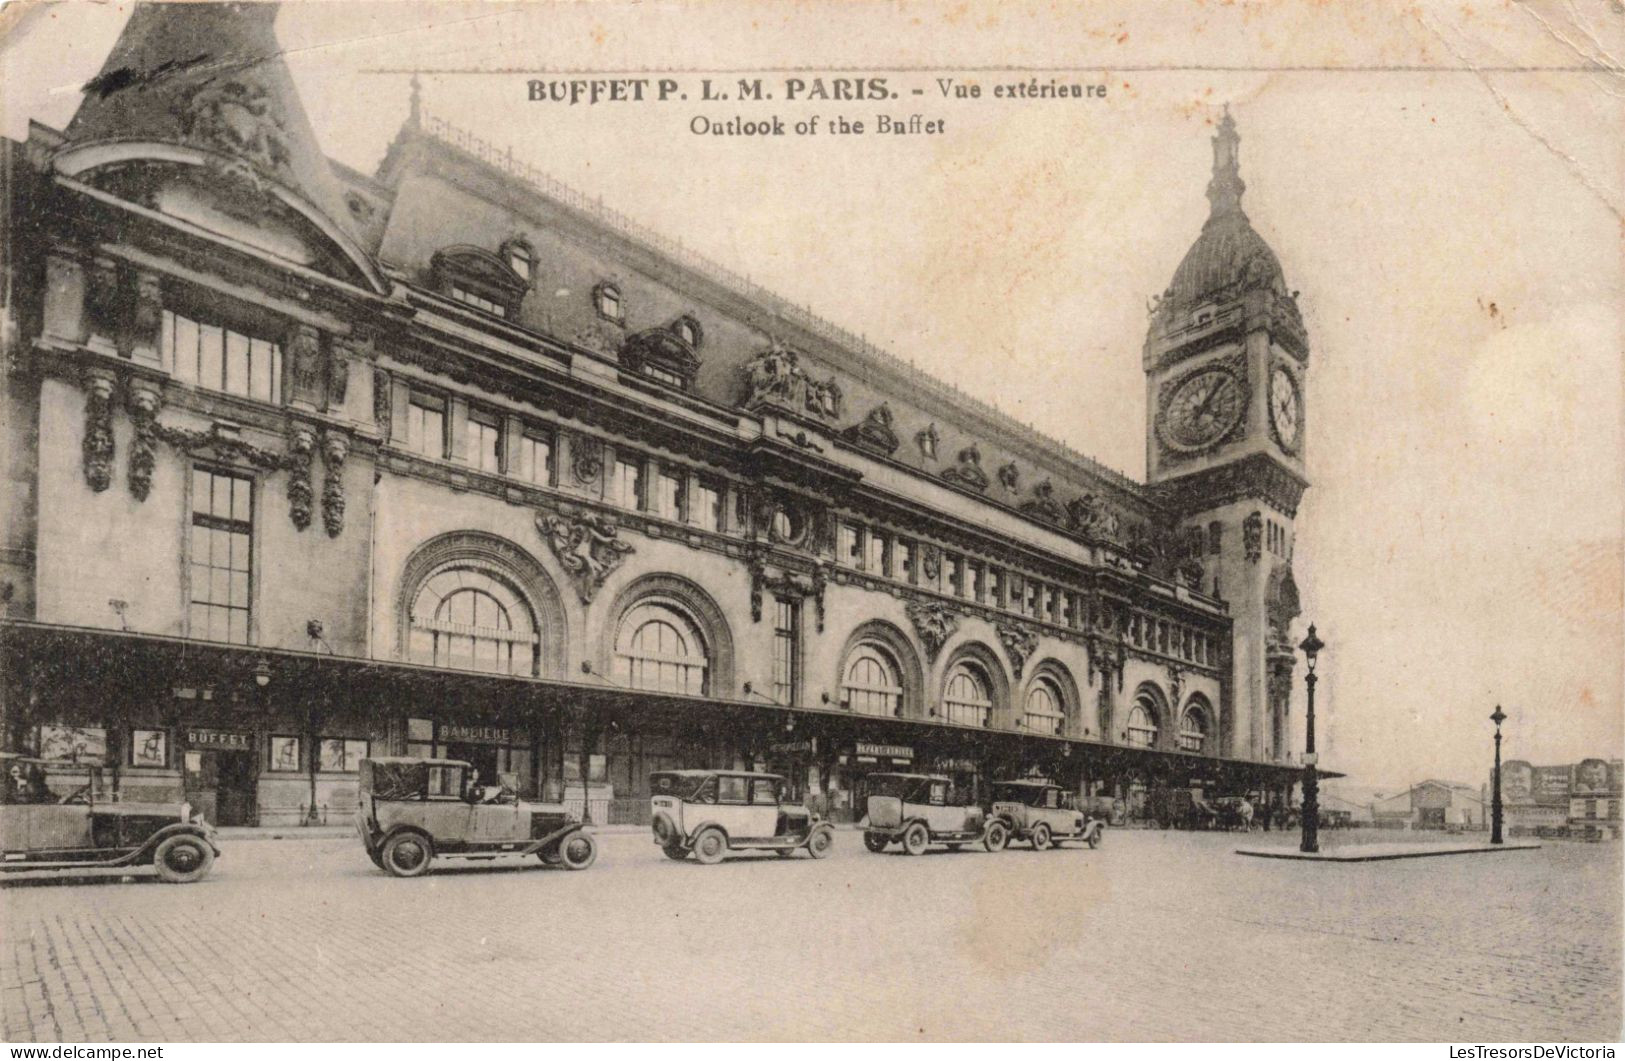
[800, 522]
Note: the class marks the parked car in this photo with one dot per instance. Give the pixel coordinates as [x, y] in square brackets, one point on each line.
[711, 812]
[44, 829]
[1043, 814]
[917, 810]
[413, 811]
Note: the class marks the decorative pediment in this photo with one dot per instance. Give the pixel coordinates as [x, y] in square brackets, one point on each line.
[877, 431]
[466, 264]
[661, 353]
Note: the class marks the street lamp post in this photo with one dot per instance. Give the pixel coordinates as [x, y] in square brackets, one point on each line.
[1495, 779]
[1311, 647]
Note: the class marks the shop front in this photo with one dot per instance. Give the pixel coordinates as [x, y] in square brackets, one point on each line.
[221, 773]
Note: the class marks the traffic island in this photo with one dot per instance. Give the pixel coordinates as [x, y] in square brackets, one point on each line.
[1382, 852]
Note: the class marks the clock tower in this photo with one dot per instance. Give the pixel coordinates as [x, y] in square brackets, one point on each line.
[1225, 361]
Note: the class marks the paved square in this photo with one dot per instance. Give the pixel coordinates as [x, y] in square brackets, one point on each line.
[1154, 936]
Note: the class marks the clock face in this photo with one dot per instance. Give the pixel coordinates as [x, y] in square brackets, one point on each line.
[1284, 408]
[1202, 409]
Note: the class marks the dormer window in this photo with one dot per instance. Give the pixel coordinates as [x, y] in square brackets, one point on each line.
[663, 355]
[480, 280]
[606, 297]
[688, 330]
[520, 258]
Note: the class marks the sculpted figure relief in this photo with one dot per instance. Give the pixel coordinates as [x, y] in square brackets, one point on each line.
[587, 545]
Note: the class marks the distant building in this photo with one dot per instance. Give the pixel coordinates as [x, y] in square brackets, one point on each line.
[1582, 798]
[1432, 804]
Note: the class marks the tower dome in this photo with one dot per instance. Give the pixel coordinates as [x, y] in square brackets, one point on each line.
[1229, 257]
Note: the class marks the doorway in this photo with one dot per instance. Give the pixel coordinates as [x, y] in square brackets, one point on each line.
[483, 757]
[237, 784]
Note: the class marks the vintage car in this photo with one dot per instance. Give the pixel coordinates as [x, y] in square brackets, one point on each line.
[712, 812]
[1043, 814]
[412, 811]
[43, 828]
[917, 810]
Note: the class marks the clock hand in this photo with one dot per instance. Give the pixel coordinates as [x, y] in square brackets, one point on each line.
[1200, 409]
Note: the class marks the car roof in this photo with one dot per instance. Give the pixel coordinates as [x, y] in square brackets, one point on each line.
[410, 760]
[922, 777]
[1029, 784]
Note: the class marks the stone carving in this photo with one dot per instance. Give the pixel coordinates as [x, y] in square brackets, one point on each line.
[1019, 643]
[103, 302]
[1176, 682]
[587, 545]
[301, 445]
[930, 562]
[775, 377]
[146, 326]
[236, 119]
[305, 364]
[144, 403]
[586, 459]
[1089, 517]
[927, 438]
[600, 338]
[1252, 535]
[934, 623]
[820, 579]
[1010, 476]
[383, 403]
[877, 431]
[1281, 604]
[97, 449]
[335, 448]
[968, 472]
[756, 561]
[1043, 506]
[338, 374]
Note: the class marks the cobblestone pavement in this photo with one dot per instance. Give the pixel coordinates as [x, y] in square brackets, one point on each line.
[1154, 936]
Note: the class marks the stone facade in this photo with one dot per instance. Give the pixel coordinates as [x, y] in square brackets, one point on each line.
[441, 460]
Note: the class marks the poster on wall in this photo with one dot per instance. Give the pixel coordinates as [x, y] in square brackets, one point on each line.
[285, 754]
[77, 744]
[1552, 783]
[149, 747]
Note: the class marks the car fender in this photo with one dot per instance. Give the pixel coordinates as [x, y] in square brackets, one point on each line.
[817, 827]
[146, 850]
[555, 837]
[708, 824]
[1093, 827]
[399, 829]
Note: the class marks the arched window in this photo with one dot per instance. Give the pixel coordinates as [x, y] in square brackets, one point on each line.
[873, 683]
[1044, 711]
[468, 619]
[1192, 730]
[1142, 723]
[660, 647]
[966, 695]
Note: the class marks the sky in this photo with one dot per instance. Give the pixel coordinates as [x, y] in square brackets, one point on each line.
[1443, 184]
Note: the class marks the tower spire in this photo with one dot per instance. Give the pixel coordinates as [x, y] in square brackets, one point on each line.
[1224, 190]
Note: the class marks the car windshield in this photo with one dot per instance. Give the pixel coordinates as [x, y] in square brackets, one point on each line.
[1016, 794]
[910, 789]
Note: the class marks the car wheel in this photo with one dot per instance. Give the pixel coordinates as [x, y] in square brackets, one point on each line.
[377, 859]
[675, 852]
[710, 846]
[915, 838]
[877, 844]
[1095, 837]
[1040, 836]
[578, 850]
[408, 854]
[183, 859]
[665, 829]
[820, 843]
[996, 837]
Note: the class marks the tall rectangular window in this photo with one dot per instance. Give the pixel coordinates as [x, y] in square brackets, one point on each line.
[956, 576]
[626, 489]
[707, 508]
[875, 561]
[905, 560]
[426, 425]
[221, 555]
[975, 585]
[484, 441]
[995, 587]
[218, 358]
[670, 494]
[534, 461]
[786, 649]
[849, 544]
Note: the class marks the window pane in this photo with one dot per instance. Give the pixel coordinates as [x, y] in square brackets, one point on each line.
[185, 348]
[236, 363]
[211, 371]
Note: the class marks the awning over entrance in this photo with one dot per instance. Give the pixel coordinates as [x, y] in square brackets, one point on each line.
[35, 657]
